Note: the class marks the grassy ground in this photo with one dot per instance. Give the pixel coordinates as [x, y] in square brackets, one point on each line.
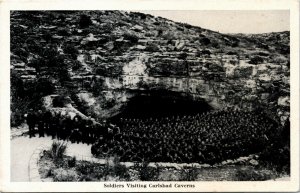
[70, 169]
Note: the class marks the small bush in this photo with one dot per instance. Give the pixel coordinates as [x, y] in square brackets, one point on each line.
[251, 175]
[152, 48]
[277, 155]
[63, 32]
[57, 150]
[85, 21]
[189, 174]
[84, 168]
[182, 56]
[72, 162]
[147, 173]
[215, 44]
[205, 41]
[63, 175]
[232, 53]
[256, 60]
[206, 52]
[120, 170]
[131, 37]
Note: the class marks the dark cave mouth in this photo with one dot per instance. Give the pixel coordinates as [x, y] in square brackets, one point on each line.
[162, 103]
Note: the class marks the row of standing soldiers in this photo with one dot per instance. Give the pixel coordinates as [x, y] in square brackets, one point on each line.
[65, 127]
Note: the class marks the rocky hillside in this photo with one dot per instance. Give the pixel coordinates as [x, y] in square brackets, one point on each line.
[103, 58]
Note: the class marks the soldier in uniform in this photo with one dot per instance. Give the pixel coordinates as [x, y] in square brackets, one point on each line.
[53, 125]
[31, 121]
[62, 127]
[68, 123]
[40, 119]
[86, 133]
[57, 125]
[75, 130]
[47, 121]
[93, 130]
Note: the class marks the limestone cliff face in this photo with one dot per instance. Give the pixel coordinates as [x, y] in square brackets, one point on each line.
[101, 58]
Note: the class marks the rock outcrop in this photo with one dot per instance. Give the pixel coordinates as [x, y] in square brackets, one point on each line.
[101, 61]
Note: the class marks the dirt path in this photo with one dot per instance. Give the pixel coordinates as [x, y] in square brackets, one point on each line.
[22, 148]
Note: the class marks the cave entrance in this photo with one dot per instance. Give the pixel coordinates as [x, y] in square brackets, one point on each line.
[161, 103]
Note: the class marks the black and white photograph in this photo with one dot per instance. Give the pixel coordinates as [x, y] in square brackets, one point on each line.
[156, 96]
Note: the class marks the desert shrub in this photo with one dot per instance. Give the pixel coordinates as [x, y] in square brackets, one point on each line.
[235, 44]
[189, 174]
[182, 56]
[85, 178]
[147, 173]
[279, 59]
[19, 106]
[131, 37]
[84, 168]
[180, 28]
[58, 150]
[232, 53]
[206, 52]
[120, 170]
[188, 26]
[72, 162]
[160, 32]
[63, 32]
[62, 17]
[277, 158]
[152, 48]
[284, 50]
[215, 44]
[169, 35]
[149, 34]
[277, 154]
[262, 54]
[92, 170]
[256, 60]
[156, 23]
[85, 21]
[205, 41]
[63, 175]
[251, 175]
[234, 62]
[19, 103]
[198, 53]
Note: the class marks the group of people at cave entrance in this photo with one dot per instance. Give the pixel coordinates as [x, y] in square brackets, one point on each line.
[209, 137]
[65, 127]
[204, 138]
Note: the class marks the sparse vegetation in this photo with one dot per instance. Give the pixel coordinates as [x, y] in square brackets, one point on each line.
[256, 60]
[85, 21]
[152, 48]
[252, 175]
[189, 174]
[57, 151]
[146, 172]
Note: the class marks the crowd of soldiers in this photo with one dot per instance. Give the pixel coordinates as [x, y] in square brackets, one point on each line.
[65, 127]
[202, 138]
